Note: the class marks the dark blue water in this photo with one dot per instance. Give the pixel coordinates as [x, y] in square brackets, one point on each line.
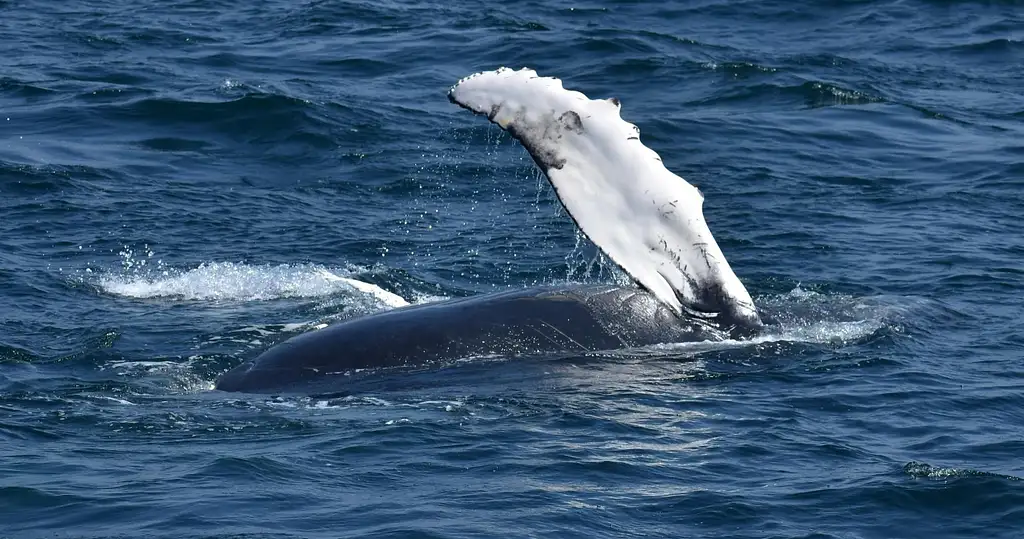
[177, 177]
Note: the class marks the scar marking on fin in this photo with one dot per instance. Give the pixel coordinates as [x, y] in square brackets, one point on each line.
[571, 121]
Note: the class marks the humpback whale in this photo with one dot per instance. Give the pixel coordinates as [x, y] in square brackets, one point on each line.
[645, 219]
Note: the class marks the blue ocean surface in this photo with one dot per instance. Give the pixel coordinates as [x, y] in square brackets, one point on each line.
[181, 181]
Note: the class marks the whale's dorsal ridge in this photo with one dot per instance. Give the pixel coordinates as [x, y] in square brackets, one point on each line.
[646, 219]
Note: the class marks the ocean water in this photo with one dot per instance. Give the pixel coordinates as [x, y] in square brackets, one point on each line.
[180, 182]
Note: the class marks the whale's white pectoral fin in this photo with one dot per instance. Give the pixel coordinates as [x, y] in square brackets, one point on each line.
[645, 218]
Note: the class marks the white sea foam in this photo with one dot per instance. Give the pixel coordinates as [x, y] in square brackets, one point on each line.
[141, 366]
[806, 316]
[231, 281]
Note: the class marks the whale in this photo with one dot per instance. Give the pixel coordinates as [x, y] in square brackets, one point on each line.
[645, 219]
[535, 321]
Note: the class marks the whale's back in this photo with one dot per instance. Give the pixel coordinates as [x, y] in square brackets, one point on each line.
[578, 319]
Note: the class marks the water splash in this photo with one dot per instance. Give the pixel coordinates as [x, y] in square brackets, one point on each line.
[231, 281]
[805, 316]
[922, 470]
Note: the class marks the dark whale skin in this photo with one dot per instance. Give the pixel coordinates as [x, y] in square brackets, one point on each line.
[583, 318]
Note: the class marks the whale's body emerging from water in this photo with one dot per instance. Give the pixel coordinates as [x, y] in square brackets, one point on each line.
[646, 219]
[576, 319]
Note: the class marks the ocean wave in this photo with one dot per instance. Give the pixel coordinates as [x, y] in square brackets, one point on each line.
[263, 105]
[14, 88]
[30, 183]
[986, 49]
[14, 354]
[739, 69]
[809, 94]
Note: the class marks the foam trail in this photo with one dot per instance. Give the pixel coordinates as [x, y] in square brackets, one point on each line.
[648, 221]
[228, 281]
